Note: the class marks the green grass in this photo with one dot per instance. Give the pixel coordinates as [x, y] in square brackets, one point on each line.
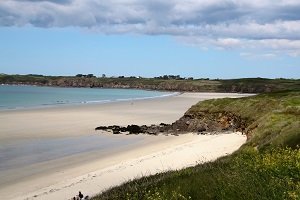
[271, 118]
[266, 167]
[246, 175]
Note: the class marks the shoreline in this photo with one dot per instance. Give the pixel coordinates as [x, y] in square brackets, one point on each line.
[44, 174]
[208, 95]
[155, 158]
[80, 121]
[89, 102]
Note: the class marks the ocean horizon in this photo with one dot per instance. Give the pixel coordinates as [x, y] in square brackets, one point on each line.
[15, 97]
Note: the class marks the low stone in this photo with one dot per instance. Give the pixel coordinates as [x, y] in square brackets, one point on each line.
[134, 129]
[116, 132]
[201, 129]
[101, 128]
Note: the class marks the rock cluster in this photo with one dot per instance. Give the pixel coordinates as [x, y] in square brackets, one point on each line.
[203, 123]
[209, 122]
[135, 129]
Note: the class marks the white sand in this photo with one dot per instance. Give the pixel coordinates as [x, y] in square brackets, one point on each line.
[153, 155]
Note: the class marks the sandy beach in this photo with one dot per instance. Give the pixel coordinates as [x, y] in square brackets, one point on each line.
[94, 170]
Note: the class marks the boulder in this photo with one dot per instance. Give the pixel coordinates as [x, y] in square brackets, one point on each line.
[134, 129]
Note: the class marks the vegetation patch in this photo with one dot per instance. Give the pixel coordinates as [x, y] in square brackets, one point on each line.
[249, 174]
[268, 119]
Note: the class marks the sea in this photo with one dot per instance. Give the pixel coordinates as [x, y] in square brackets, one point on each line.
[24, 96]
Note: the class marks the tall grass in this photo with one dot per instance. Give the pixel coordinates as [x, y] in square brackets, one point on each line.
[274, 174]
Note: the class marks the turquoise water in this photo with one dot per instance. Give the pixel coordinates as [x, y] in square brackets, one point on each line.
[17, 97]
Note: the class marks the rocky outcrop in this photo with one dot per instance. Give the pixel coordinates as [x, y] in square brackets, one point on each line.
[208, 122]
[135, 129]
[202, 123]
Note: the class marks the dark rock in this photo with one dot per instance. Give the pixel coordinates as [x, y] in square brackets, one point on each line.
[101, 128]
[115, 128]
[133, 129]
[201, 129]
[123, 129]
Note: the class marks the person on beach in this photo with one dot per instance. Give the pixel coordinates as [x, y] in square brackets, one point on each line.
[80, 195]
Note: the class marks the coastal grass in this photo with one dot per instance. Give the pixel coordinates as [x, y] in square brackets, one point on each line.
[266, 167]
[272, 119]
[273, 174]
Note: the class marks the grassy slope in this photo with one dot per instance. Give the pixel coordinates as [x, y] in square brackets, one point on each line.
[257, 85]
[272, 118]
[271, 172]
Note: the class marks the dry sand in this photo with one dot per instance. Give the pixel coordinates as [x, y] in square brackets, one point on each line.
[64, 177]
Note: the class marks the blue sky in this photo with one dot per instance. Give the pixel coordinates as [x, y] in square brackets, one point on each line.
[58, 38]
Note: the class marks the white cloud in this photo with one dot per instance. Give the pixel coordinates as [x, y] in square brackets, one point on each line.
[256, 56]
[226, 24]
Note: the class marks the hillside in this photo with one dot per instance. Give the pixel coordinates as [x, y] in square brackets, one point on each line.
[266, 167]
[271, 119]
[250, 85]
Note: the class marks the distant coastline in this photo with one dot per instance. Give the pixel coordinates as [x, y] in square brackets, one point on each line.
[163, 83]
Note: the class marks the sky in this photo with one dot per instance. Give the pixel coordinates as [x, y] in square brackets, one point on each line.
[191, 38]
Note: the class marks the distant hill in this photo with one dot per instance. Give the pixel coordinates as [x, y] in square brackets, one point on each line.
[168, 83]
